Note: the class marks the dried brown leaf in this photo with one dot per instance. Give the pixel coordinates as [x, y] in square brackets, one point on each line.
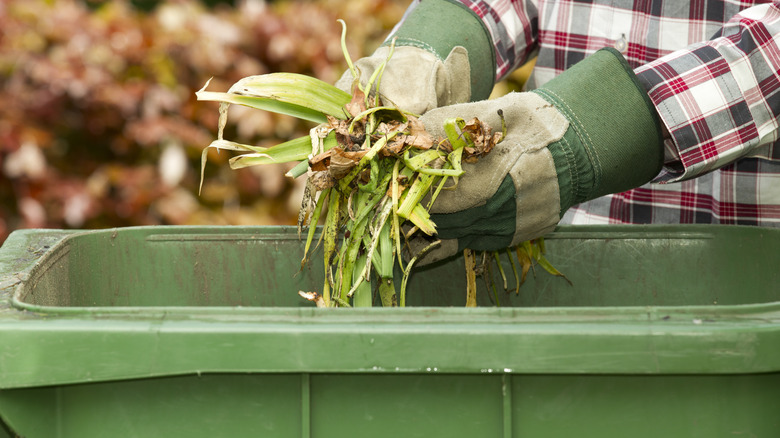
[336, 161]
[322, 180]
[391, 127]
[341, 162]
[320, 162]
[358, 103]
[394, 147]
[416, 127]
[482, 137]
[421, 141]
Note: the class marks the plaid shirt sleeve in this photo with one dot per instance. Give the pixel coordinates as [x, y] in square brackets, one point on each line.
[513, 26]
[719, 99]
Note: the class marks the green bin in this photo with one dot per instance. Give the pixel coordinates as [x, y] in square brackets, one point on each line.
[665, 331]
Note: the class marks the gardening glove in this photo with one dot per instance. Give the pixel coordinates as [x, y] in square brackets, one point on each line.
[589, 132]
[431, 66]
[414, 79]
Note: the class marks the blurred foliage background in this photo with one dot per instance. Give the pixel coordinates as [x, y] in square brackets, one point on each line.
[99, 126]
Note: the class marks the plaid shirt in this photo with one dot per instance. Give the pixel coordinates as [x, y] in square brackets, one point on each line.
[711, 69]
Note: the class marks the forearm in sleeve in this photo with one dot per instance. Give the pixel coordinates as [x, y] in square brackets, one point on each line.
[720, 99]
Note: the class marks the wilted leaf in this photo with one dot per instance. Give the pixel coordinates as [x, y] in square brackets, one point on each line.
[322, 180]
[341, 162]
[350, 140]
[314, 297]
[358, 103]
[482, 137]
[471, 278]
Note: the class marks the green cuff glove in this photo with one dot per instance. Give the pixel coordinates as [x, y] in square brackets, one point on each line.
[443, 56]
[438, 26]
[590, 131]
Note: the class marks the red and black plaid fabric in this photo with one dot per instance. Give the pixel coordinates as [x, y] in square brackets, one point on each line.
[710, 67]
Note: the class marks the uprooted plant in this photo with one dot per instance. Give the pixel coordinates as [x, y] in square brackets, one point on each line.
[373, 170]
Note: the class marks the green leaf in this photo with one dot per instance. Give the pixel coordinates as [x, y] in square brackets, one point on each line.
[293, 94]
[299, 169]
[452, 128]
[412, 197]
[330, 233]
[294, 150]
[226, 145]
[422, 220]
[418, 161]
[547, 266]
[362, 288]
[265, 103]
[386, 254]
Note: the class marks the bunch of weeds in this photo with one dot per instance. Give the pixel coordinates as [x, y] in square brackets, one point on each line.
[373, 171]
[528, 254]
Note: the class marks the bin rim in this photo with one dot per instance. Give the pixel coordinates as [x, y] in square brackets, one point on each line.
[736, 312]
[102, 344]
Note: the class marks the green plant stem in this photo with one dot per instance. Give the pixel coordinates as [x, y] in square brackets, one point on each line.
[362, 289]
[514, 270]
[330, 235]
[414, 195]
[315, 218]
[408, 269]
[370, 154]
[350, 255]
[387, 292]
[500, 268]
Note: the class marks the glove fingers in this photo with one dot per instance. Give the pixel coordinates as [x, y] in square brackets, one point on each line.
[414, 79]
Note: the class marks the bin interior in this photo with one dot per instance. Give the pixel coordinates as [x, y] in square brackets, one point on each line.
[261, 266]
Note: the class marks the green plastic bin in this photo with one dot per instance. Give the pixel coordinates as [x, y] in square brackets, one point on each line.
[667, 331]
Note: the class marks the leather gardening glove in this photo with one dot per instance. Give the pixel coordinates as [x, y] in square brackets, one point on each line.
[432, 65]
[589, 132]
